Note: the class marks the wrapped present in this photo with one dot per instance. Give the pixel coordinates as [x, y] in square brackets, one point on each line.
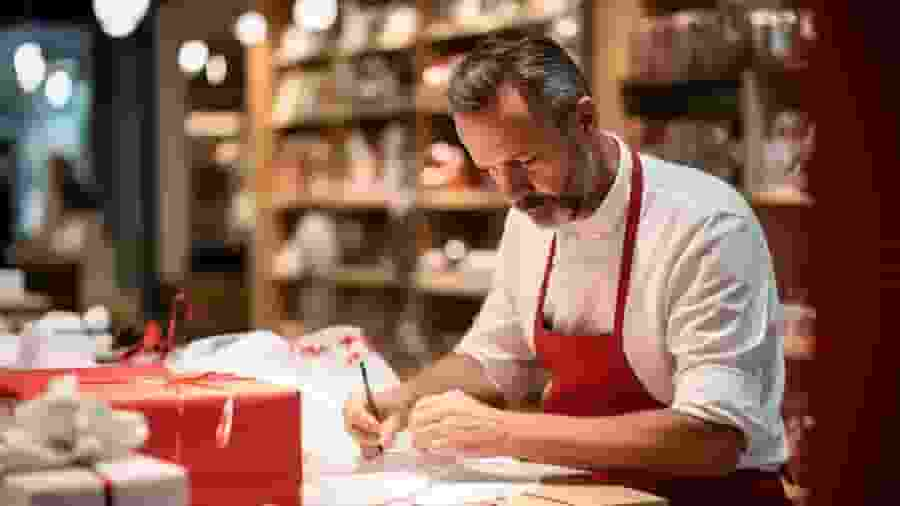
[64, 448]
[215, 425]
[135, 480]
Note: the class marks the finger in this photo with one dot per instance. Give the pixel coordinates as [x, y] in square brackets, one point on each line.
[428, 413]
[370, 452]
[389, 430]
[357, 415]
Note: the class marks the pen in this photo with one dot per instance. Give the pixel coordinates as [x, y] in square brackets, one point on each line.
[369, 398]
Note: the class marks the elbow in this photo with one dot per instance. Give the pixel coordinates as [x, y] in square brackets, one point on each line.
[723, 462]
[724, 453]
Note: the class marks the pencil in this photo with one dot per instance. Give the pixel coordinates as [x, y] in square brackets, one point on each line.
[369, 398]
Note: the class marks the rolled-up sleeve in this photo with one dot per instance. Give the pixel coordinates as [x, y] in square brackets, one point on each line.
[721, 329]
[496, 338]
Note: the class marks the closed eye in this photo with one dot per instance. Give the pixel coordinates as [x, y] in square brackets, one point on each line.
[523, 164]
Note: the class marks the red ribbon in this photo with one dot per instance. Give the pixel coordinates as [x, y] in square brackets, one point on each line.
[202, 380]
[152, 339]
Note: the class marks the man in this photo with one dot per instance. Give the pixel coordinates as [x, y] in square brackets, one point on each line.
[645, 288]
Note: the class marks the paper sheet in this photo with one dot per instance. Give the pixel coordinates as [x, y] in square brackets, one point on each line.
[413, 478]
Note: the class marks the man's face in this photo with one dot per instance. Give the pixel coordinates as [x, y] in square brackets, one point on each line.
[530, 160]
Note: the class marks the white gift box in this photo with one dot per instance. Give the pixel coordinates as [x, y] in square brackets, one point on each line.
[136, 481]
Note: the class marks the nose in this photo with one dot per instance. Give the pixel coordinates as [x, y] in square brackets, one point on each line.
[512, 183]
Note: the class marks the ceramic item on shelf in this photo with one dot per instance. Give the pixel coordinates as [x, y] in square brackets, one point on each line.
[376, 82]
[434, 260]
[298, 44]
[445, 167]
[396, 145]
[399, 26]
[69, 239]
[540, 8]
[362, 164]
[356, 28]
[787, 151]
[317, 235]
[242, 211]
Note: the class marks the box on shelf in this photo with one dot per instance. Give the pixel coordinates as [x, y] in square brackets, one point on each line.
[214, 425]
[132, 481]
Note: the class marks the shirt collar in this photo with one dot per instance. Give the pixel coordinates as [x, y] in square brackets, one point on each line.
[608, 217]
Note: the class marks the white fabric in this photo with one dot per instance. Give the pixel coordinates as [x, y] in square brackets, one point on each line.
[702, 324]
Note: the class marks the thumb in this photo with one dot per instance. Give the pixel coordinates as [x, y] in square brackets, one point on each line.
[389, 429]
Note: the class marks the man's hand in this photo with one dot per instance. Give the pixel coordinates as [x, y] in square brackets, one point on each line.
[457, 423]
[368, 433]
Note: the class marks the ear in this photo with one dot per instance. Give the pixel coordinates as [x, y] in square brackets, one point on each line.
[584, 116]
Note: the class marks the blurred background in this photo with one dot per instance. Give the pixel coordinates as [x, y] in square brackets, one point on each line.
[290, 164]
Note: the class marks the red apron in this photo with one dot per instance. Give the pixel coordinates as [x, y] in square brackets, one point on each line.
[591, 376]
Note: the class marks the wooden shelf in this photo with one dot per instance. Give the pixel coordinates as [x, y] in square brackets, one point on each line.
[353, 277]
[451, 283]
[445, 32]
[353, 114]
[332, 55]
[433, 200]
[461, 200]
[356, 201]
[666, 7]
[363, 277]
[214, 124]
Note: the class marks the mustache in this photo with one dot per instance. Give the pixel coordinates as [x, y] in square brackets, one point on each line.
[535, 200]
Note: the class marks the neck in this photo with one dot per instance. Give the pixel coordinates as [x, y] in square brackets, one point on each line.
[606, 157]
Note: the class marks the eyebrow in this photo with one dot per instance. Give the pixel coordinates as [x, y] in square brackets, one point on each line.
[519, 155]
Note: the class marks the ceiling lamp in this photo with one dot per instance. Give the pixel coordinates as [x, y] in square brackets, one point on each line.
[251, 28]
[119, 18]
[217, 70]
[30, 66]
[315, 15]
[58, 88]
[192, 56]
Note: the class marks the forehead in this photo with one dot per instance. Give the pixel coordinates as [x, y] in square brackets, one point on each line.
[503, 129]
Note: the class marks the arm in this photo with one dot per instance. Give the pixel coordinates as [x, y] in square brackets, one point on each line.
[663, 440]
[454, 371]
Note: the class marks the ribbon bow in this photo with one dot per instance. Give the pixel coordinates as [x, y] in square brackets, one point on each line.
[61, 428]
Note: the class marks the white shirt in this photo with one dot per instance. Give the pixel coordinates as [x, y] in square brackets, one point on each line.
[703, 320]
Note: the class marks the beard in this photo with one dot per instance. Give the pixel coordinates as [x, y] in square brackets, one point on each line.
[549, 210]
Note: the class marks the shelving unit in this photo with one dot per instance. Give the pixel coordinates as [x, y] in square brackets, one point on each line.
[402, 231]
[399, 227]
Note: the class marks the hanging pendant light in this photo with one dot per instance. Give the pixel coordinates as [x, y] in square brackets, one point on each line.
[119, 18]
[58, 88]
[193, 56]
[30, 66]
[251, 28]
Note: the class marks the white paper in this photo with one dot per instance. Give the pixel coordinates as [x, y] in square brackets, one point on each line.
[457, 493]
[514, 469]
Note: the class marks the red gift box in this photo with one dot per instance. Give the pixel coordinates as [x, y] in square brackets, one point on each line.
[238, 438]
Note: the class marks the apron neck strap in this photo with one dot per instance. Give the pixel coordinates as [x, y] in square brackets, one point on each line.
[632, 219]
